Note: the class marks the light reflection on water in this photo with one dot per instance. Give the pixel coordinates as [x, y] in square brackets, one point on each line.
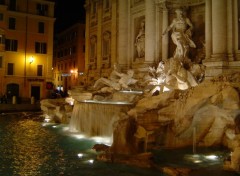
[31, 149]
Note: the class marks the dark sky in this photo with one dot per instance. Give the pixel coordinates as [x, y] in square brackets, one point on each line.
[68, 12]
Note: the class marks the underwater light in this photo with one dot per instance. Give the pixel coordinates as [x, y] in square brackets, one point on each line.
[80, 155]
[65, 128]
[78, 136]
[211, 157]
[91, 161]
[103, 140]
[47, 120]
[54, 126]
[197, 161]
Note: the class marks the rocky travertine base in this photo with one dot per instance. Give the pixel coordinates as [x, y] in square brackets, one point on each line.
[57, 110]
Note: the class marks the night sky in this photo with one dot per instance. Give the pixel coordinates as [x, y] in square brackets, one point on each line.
[68, 12]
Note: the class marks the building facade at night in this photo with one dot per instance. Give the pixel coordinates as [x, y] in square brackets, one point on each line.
[113, 26]
[68, 61]
[26, 49]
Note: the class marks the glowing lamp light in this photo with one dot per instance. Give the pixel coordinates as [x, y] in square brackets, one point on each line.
[31, 60]
[73, 71]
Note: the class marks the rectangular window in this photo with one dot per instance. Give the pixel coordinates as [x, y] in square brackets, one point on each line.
[2, 39]
[83, 48]
[39, 70]
[12, 23]
[10, 69]
[1, 17]
[12, 5]
[41, 27]
[11, 45]
[42, 9]
[1, 61]
[40, 47]
[2, 2]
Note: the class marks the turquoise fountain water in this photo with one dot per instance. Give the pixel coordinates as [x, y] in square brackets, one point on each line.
[31, 147]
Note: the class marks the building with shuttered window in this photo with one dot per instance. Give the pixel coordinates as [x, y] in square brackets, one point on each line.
[26, 48]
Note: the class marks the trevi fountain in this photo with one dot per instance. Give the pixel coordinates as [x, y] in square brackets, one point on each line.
[170, 105]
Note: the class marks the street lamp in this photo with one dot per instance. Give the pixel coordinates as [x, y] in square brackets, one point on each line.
[31, 60]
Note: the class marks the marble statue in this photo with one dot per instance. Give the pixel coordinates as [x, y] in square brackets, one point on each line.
[157, 78]
[117, 80]
[140, 41]
[178, 77]
[169, 75]
[112, 81]
[181, 34]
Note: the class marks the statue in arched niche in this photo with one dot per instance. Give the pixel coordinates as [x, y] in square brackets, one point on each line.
[181, 27]
[140, 41]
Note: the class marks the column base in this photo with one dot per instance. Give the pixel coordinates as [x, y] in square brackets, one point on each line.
[216, 68]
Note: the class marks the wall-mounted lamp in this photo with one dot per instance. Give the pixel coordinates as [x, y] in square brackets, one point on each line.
[31, 60]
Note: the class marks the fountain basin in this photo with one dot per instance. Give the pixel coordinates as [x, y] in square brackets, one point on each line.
[106, 102]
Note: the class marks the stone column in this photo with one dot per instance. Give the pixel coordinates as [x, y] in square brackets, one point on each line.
[150, 28]
[123, 32]
[235, 24]
[208, 29]
[165, 39]
[99, 35]
[219, 29]
[87, 35]
[114, 33]
[230, 30]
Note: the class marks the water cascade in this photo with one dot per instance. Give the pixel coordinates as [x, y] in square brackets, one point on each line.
[96, 118]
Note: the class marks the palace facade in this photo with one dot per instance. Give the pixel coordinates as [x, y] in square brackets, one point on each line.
[113, 28]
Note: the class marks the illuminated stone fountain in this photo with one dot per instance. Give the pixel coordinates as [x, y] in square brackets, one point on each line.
[176, 107]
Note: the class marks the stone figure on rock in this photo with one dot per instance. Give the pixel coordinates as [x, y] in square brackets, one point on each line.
[178, 77]
[169, 75]
[181, 34]
[117, 80]
[112, 81]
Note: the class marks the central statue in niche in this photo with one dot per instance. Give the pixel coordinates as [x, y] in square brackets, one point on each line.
[181, 34]
[179, 68]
